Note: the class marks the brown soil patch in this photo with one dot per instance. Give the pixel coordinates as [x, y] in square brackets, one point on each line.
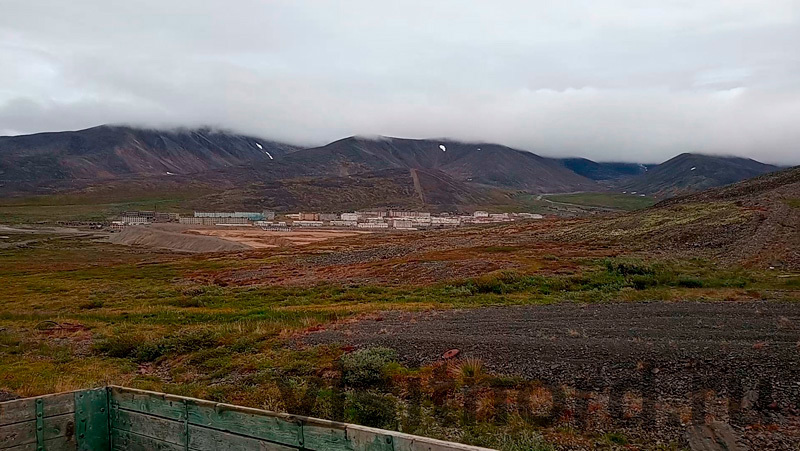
[664, 353]
[261, 239]
[172, 239]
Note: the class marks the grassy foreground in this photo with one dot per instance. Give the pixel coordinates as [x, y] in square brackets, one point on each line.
[76, 313]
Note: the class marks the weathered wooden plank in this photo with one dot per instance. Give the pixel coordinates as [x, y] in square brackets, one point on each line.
[405, 442]
[366, 439]
[148, 425]
[20, 410]
[91, 419]
[408, 442]
[151, 403]
[23, 433]
[128, 441]
[249, 422]
[250, 427]
[205, 439]
[54, 444]
[325, 435]
[270, 426]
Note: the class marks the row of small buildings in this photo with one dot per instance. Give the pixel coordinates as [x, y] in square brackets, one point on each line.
[394, 219]
[390, 219]
[199, 218]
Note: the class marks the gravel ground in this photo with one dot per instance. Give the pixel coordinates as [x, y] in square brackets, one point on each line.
[674, 348]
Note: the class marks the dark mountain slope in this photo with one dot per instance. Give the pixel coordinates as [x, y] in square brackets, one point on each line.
[689, 172]
[110, 152]
[65, 161]
[488, 164]
[391, 188]
[602, 171]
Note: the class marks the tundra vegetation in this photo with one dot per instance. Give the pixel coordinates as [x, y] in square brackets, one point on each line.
[76, 313]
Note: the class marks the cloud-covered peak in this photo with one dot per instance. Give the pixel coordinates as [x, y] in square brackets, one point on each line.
[611, 80]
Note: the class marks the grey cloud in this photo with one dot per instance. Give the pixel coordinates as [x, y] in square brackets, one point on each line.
[617, 80]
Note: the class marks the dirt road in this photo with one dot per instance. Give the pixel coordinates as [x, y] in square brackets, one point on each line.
[670, 350]
[258, 239]
[563, 339]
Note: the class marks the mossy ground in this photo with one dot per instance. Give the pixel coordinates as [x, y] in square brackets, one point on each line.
[76, 313]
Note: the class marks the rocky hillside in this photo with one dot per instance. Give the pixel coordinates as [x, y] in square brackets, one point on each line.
[110, 152]
[388, 188]
[690, 172]
[754, 222]
[356, 171]
[81, 158]
[486, 164]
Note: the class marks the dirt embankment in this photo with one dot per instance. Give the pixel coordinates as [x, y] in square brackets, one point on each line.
[668, 351]
[257, 238]
[569, 340]
[174, 240]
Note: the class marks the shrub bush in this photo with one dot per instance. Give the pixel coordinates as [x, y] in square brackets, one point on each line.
[365, 367]
[641, 282]
[142, 350]
[370, 409]
[628, 268]
[690, 282]
[120, 346]
[91, 305]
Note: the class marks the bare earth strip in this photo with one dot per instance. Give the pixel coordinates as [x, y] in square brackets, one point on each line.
[174, 240]
[545, 340]
[257, 238]
[673, 349]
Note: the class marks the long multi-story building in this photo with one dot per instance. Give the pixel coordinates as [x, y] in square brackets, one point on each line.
[151, 216]
[371, 214]
[445, 221]
[270, 223]
[134, 220]
[408, 214]
[343, 223]
[251, 215]
[302, 223]
[402, 224]
[373, 225]
[214, 220]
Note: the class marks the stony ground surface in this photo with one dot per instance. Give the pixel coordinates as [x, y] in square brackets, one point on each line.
[666, 350]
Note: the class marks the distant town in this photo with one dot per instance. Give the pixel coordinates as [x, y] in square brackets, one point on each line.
[269, 220]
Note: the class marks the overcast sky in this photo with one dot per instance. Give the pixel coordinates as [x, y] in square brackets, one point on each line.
[608, 80]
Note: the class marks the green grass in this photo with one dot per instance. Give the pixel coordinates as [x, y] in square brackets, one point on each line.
[617, 201]
[51, 209]
[95, 204]
[159, 321]
[793, 202]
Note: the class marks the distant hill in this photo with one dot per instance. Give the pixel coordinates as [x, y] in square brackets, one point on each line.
[81, 158]
[357, 171]
[603, 171]
[689, 172]
[486, 164]
[111, 152]
[388, 188]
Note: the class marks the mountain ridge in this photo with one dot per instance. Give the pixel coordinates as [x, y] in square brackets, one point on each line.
[511, 168]
[111, 152]
[691, 172]
[62, 161]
